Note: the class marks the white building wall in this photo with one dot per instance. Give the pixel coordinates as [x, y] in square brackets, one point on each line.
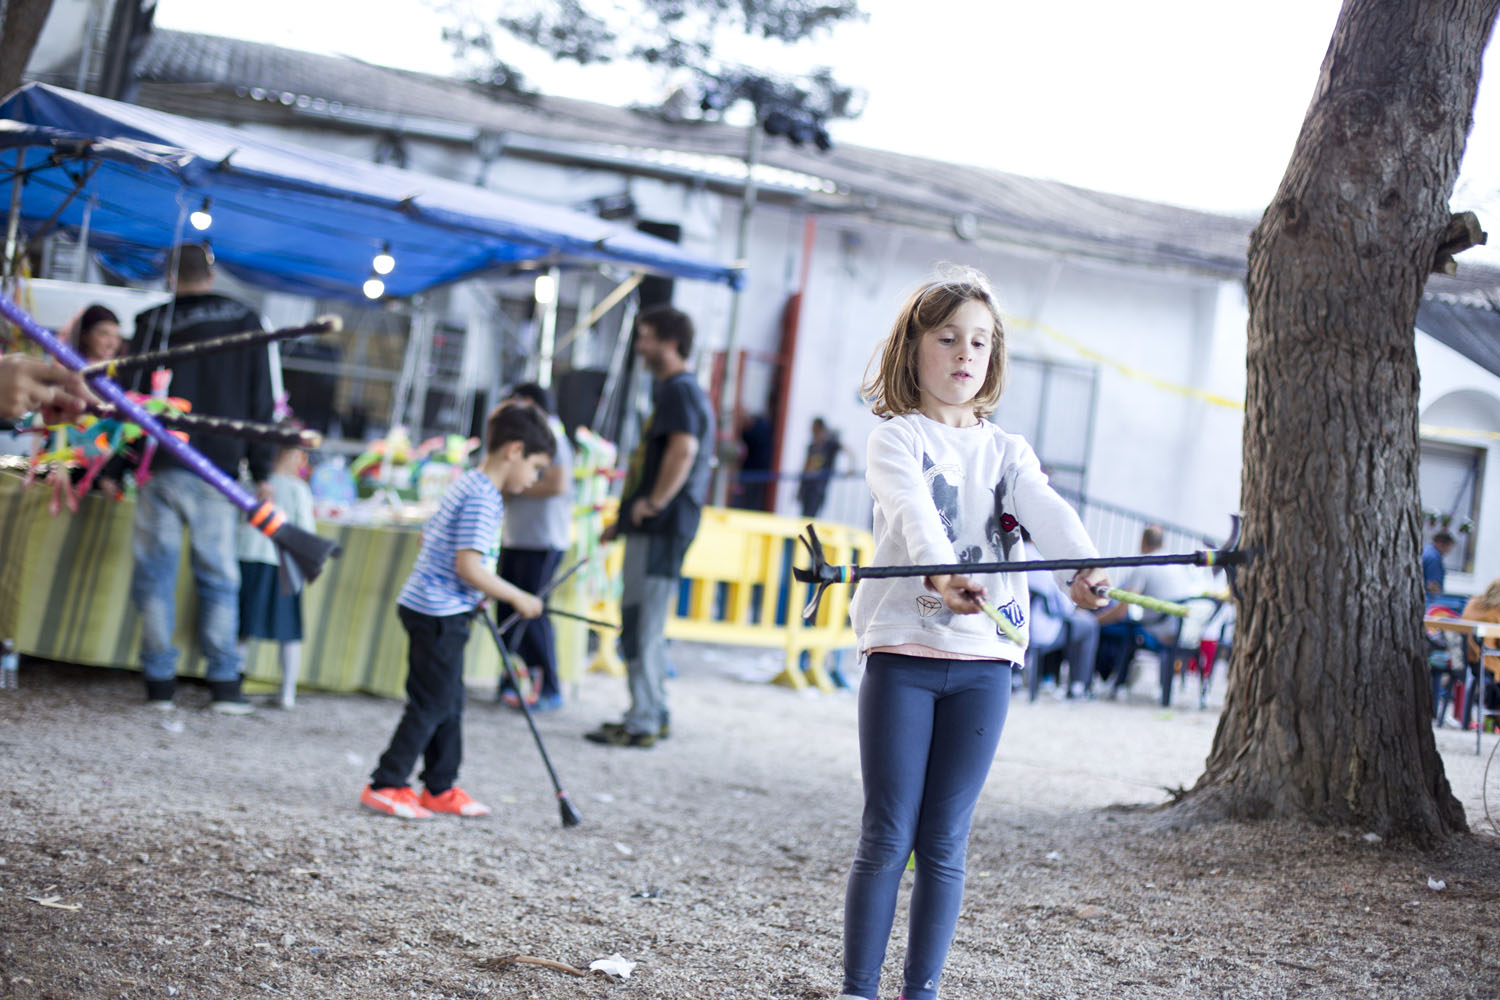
[1154, 449]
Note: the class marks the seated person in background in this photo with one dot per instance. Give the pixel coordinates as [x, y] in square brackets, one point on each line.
[1117, 634]
[1484, 607]
[1433, 554]
[1057, 623]
[98, 334]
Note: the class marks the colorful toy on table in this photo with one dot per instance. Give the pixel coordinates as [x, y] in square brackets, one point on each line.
[333, 487]
[593, 473]
[593, 591]
[386, 462]
[91, 442]
[439, 461]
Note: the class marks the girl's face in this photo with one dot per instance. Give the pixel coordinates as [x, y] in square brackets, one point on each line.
[101, 342]
[952, 361]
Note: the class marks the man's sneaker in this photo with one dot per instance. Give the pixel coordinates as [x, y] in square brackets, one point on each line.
[159, 695]
[400, 802]
[662, 732]
[615, 734]
[228, 699]
[454, 801]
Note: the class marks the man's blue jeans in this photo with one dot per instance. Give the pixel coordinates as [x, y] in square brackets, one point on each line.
[171, 500]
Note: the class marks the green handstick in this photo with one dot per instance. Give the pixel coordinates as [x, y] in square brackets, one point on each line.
[1011, 632]
[1150, 603]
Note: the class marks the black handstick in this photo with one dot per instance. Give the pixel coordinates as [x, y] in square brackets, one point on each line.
[565, 805]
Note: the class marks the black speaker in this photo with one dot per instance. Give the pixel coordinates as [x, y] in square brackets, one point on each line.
[653, 290]
[578, 395]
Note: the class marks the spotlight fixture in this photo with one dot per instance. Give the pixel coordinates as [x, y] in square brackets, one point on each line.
[545, 289]
[374, 288]
[384, 263]
[202, 218]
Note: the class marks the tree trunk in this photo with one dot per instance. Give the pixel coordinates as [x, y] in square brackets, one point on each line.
[1328, 715]
[20, 27]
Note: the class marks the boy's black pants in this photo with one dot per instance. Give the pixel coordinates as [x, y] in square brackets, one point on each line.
[432, 725]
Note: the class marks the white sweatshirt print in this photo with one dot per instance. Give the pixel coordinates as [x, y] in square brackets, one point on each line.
[956, 495]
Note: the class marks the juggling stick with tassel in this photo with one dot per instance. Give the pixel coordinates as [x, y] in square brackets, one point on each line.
[303, 553]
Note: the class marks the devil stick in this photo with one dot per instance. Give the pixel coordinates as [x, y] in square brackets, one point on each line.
[230, 342]
[247, 430]
[822, 574]
[306, 551]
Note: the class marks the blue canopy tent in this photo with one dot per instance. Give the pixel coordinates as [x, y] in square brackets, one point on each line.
[286, 218]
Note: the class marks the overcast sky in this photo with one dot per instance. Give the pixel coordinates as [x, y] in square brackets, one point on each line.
[1193, 102]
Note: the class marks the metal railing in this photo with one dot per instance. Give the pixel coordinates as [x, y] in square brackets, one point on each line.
[1116, 531]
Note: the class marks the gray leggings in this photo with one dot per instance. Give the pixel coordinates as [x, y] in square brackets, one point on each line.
[928, 730]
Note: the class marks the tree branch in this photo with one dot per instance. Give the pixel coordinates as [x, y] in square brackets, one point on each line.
[1463, 232]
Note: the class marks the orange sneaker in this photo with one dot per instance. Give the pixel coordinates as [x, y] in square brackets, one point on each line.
[401, 802]
[454, 801]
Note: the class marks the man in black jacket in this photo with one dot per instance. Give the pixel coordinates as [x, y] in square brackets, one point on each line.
[235, 384]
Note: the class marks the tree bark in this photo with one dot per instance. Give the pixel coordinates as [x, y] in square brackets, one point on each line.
[21, 27]
[1328, 714]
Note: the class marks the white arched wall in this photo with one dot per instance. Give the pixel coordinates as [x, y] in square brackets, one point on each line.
[1460, 404]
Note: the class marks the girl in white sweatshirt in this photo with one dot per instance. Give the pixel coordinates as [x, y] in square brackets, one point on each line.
[949, 487]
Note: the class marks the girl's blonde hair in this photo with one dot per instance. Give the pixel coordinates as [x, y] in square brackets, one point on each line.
[893, 388]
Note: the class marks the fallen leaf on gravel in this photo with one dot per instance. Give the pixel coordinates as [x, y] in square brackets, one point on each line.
[1091, 912]
[1372, 838]
[623, 849]
[1436, 884]
[615, 965]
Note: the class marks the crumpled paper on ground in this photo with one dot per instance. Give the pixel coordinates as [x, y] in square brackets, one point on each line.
[615, 965]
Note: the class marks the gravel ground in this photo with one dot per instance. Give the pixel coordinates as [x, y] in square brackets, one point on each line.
[194, 855]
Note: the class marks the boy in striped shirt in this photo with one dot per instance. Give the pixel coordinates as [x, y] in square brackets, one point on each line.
[451, 578]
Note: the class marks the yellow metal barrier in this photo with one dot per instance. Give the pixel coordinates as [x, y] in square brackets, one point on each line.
[741, 592]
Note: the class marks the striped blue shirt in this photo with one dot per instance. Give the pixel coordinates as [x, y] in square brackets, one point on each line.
[468, 518]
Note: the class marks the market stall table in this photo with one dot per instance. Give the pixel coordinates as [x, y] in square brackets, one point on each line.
[65, 595]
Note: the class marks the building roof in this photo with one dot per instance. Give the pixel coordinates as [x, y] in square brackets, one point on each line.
[240, 81]
[214, 77]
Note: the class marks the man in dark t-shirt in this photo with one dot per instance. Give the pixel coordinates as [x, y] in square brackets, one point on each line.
[665, 488]
[233, 384]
